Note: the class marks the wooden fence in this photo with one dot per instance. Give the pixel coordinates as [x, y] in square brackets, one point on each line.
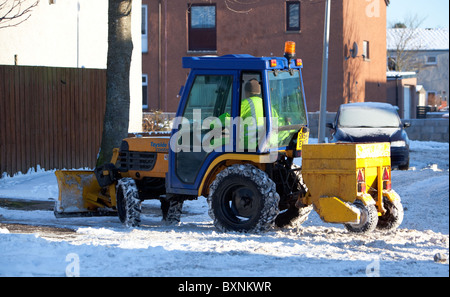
[50, 116]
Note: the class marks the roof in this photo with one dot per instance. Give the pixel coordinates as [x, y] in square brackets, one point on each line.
[378, 105]
[233, 62]
[421, 39]
[400, 74]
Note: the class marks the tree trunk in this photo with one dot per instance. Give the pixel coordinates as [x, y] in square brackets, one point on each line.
[120, 47]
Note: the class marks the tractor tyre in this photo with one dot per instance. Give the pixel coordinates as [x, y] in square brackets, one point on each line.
[171, 209]
[393, 216]
[243, 198]
[368, 219]
[294, 216]
[128, 202]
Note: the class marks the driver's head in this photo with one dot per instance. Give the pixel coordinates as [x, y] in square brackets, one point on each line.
[252, 88]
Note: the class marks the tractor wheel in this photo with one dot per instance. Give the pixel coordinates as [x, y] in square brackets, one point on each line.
[393, 216]
[243, 198]
[368, 219]
[171, 209]
[293, 216]
[128, 202]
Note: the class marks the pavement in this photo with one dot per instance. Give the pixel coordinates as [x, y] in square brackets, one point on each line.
[27, 205]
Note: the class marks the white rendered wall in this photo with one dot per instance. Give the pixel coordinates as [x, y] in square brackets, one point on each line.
[73, 33]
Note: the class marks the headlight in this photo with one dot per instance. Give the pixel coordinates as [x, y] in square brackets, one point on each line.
[399, 143]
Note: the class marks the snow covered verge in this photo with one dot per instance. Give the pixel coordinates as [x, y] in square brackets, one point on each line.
[103, 247]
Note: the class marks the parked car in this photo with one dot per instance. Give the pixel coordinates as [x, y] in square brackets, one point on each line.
[373, 122]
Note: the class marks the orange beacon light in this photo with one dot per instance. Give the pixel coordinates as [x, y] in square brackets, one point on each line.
[289, 50]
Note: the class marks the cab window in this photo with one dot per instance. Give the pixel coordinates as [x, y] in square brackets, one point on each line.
[287, 105]
[210, 96]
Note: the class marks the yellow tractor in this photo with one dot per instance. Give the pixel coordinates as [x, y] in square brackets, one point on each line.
[243, 165]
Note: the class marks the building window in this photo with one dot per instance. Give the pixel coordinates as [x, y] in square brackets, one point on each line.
[366, 50]
[431, 60]
[202, 27]
[293, 16]
[144, 29]
[144, 91]
[432, 98]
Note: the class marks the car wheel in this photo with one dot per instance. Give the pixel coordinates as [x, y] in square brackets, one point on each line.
[404, 166]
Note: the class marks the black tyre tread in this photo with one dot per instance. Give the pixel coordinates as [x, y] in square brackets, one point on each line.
[131, 202]
[393, 217]
[293, 217]
[172, 210]
[266, 188]
[371, 221]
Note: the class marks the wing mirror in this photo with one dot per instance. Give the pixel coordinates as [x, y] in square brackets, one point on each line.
[332, 128]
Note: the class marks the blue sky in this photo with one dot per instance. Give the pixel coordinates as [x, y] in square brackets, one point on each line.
[434, 12]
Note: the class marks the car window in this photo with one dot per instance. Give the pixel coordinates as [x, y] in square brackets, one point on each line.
[354, 117]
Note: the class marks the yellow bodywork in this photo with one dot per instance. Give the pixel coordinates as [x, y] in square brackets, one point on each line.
[79, 192]
[333, 209]
[227, 160]
[330, 173]
[155, 144]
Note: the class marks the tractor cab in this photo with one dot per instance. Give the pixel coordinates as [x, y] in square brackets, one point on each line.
[238, 106]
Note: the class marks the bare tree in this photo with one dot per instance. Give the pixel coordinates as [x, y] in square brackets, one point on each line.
[15, 12]
[403, 57]
[120, 48]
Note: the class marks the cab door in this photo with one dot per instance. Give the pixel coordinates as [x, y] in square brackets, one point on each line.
[203, 109]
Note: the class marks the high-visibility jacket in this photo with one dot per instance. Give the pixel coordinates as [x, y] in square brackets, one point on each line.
[251, 107]
[249, 133]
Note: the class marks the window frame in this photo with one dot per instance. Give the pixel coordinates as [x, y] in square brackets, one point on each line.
[431, 63]
[289, 28]
[191, 177]
[144, 28]
[144, 93]
[433, 95]
[201, 39]
[366, 50]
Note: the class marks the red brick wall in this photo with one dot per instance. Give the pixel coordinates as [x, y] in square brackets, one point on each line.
[259, 29]
[365, 79]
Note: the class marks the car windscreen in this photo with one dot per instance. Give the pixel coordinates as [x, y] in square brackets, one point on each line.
[371, 117]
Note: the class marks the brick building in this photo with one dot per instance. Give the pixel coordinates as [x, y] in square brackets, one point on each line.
[173, 29]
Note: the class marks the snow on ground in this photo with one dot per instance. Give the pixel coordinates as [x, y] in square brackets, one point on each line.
[103, 247]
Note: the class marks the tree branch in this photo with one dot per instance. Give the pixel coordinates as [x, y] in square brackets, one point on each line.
[15, 12]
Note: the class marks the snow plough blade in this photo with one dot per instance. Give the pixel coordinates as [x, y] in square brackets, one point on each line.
[81, 195]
